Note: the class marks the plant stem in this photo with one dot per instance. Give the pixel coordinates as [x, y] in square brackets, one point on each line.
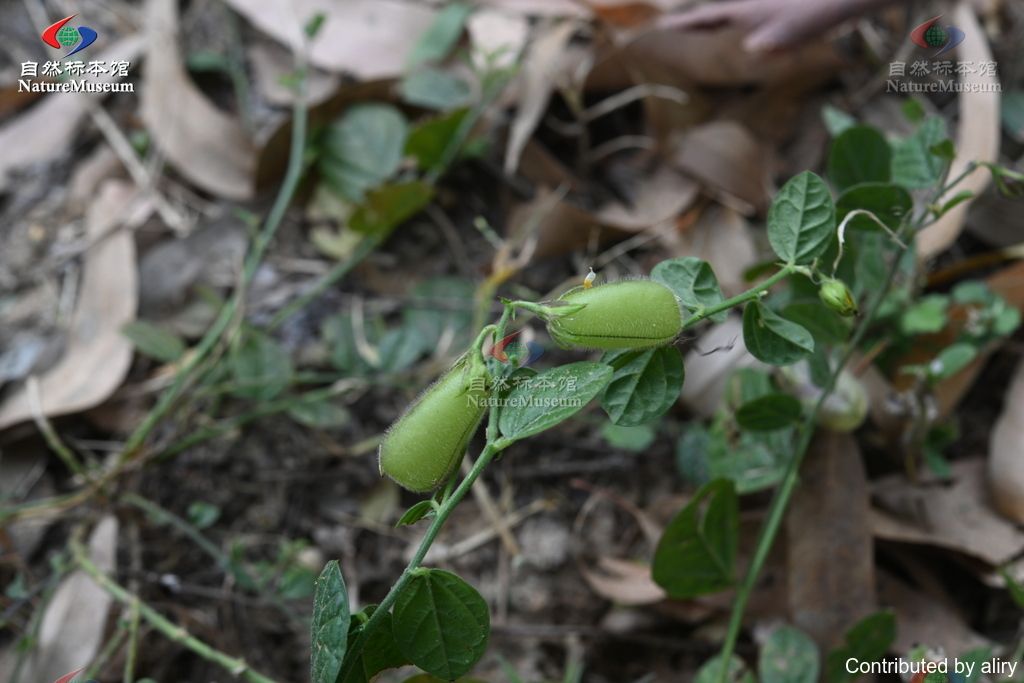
[227, 313]
[785, 491]
[494, 445]
[236, 667]
[443, 511]
[754, 292]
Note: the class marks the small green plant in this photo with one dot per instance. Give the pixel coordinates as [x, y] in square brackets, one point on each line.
[832, 254]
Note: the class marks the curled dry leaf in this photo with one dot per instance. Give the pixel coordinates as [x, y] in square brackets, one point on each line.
[97, 356]
[72, 627]
[723, 238]
[977, 137]
[623, 582]
[46, 131]
[542, 66]
[204, 144]
[1006, 452]
[957, 516]
[367, 38]
[831, 574]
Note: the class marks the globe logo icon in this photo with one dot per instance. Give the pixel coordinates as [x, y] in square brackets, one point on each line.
[936, 36]
[932, 34]
[59, 35]
[68, 36]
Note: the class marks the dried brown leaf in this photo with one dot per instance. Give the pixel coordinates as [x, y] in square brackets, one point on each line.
[977, 137]
[98, 355]
[367, 38]
[725, 158]
[1006, 452]
[831, 576]
[72, 627]
[956, 516]
[204, 144]
[46, 131]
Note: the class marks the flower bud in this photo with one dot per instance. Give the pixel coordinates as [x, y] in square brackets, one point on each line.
[425, 445]
[837, 296]
[628, 314]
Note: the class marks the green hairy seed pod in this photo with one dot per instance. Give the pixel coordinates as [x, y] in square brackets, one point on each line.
[425, 445]
[837, 296]
[629, 314]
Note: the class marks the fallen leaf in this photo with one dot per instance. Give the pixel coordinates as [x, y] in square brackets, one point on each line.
[926, 619]
[1006, 452]
[205, 145]
[72, 627]
[97, 356]
[542, 66]
[660, 196]
[271, 67]
[726, 159]
[542, 8]
[46, 131]
[498, 35]
[369, 39]
[956, 516]
[623, 582]
[831, 574]
[977, 137]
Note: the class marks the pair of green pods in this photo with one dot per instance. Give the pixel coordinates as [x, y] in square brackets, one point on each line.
[424, 447]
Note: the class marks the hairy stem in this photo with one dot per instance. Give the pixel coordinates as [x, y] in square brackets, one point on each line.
[754, 292]
[785, 491]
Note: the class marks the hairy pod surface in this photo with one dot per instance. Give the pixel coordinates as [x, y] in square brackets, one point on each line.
[629, 314]
[425, 445]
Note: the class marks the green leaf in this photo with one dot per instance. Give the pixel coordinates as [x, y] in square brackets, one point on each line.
[645, 385]
[912, 110]
[441, 624]
[824, 324]
[711, 671]
[320, 414]
[802, 219]
[427, 678]
[153, 341]
[203, 515]
[331, 619]
[362, 149]
[697, 553]
[927, 316]
[788, 656]
[541, 402]
[434, 88]
[889, 203]
[772, 339]
[261, 369]
[429, 141]
[958, 198]
[693, 281]
[867, 641]
[753, 461]
[952, 360]
[1012, 106]
[339, 337]
[389, 206]
[768, 413]
[914, 165]
[636, 439]
[380, 651]
[859, 155]
[439, 306]
[439, 38]
[836, 120]
[416, 513]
